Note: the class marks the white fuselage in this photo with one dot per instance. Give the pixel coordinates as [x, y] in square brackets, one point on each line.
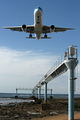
[37, 23]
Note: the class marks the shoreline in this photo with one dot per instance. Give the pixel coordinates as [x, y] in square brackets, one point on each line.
[8, 101]
[33, 110]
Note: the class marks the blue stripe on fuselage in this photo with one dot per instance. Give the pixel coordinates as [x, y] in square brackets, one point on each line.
[38, 8]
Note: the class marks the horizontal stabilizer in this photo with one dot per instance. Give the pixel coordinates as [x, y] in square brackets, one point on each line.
[41, 37]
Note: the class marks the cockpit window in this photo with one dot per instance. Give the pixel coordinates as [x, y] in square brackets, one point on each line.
[38, 8]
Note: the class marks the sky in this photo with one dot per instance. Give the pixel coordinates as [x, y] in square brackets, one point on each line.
[23, 62]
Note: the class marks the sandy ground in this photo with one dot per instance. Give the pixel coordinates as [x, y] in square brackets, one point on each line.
[59, 117]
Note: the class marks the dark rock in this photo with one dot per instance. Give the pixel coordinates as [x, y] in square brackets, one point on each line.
[51, 97]
[33, 103]
[16, 96]
[29, 118]
[41, 116]
[38, 101]
[33, 97]
[45, 106]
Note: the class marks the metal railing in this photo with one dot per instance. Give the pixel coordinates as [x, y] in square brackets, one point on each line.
[64, 56]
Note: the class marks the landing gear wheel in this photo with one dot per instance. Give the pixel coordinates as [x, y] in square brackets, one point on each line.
[30, 35]
[45, 36]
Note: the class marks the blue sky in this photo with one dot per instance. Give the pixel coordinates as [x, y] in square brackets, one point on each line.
[17, 51]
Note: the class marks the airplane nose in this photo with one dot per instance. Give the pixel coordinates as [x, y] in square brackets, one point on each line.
[38, 8]
[38, 11]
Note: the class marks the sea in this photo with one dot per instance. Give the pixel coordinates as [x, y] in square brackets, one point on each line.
[9, 98]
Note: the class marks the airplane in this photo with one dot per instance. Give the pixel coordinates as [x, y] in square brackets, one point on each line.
[38, 28]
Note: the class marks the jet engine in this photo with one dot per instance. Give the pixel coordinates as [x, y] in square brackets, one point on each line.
[52, 28]
[24, 28]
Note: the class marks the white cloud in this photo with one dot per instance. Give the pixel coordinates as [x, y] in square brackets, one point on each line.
[26, 68]
[22, 68]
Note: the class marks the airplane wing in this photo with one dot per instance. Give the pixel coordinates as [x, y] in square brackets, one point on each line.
[29, 29]
[58, 29]
[47, 29]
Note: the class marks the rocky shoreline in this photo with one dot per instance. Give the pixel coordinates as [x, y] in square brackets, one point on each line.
[27, 111]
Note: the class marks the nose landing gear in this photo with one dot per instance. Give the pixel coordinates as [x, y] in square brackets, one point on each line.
[30, 35]
[45, 36]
